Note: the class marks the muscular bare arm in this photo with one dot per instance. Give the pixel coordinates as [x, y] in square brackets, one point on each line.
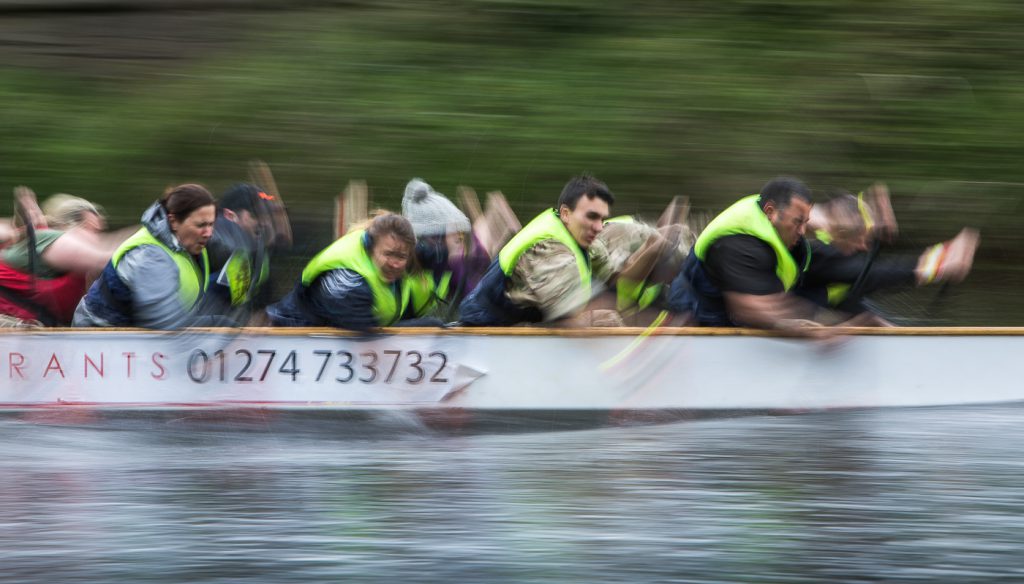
[779, 312]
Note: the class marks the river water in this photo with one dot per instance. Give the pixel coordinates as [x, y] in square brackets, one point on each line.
[899, 495]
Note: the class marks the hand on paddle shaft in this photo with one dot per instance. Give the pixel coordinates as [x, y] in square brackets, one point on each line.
[26, 212]
[879, 208]
[948, 262]
[876, 210]
[493, 226]
[26, 207]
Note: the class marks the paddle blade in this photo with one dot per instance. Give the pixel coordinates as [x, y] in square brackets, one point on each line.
[676, 212]
[350, 207]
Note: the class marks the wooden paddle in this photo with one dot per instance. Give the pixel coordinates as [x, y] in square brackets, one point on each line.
[470, 203]
[259, 174]
[26, 209]
[858, 284]
[677, 211]
[350, 207]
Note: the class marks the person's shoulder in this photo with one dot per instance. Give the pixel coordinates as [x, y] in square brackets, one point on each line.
[147, 257]
[544, 255]
[44, 237]
[342, 298]
[343, 282]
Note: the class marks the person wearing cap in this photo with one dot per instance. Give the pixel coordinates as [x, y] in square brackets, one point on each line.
[359, 282]
[159, 276]
[44, 274]
[240, 249]
[543, 274]
[450, 256]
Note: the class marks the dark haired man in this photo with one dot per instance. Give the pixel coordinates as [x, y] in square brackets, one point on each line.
[746, 261]
[239, 249]
[543, 273]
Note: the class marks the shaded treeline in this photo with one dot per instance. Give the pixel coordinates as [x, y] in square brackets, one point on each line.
[657, 97]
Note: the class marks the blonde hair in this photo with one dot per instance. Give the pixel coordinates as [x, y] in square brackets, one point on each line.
[64, 211]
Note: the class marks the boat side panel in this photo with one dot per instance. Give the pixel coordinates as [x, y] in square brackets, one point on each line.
[507, 372]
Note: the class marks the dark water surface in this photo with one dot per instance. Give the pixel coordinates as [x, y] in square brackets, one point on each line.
[879, 495]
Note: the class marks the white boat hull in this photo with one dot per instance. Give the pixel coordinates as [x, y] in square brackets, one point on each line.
[688, 371]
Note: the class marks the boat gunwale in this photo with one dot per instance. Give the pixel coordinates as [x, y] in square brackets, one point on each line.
[517, 331]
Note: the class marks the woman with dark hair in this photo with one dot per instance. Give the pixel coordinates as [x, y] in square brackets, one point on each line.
[359, 282]
[157, 278]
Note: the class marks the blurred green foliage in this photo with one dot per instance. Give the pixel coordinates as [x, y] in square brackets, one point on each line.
[706, 99]
[656, 97]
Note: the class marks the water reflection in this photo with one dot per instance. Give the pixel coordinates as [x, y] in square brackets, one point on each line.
[894, 495]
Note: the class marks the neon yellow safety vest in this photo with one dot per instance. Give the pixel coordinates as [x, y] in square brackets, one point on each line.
[389, 303]
[424, 291]
[837, 292]
[241, 283]
[630, 293]
[545, 226]
[745, 217]
[444, 286]
[189, 288]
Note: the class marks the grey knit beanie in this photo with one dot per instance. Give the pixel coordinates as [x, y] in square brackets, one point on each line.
[430, 212]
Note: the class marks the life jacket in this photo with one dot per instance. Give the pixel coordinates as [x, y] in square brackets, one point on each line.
[434, 265]
[243, 277]
[489, 304]
[745, 217]
[693, 290]
[633, 295]
[838, 291]
[240, 262]
[110, 297]
[390, 300]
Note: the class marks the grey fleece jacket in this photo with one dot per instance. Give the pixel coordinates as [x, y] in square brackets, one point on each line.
[152, 276]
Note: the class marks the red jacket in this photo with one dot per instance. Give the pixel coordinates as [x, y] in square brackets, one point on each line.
[50, 301]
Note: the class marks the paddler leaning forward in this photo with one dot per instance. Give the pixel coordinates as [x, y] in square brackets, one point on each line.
[360, 282]
[158, 277]
[747, 260]
[543, 274]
